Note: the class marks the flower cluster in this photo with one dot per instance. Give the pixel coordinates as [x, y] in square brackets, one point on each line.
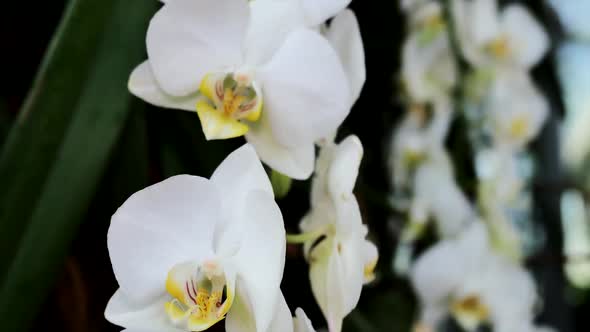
[473, 57]
[189, 251]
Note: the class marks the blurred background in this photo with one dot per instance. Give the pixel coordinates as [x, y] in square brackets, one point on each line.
[74, 144]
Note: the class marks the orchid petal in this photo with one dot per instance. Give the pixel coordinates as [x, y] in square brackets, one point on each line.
[270, 24]
[484, 21]
[295, 162]
[317, 12]
[151, 317]
[240, 173]
[170, 222]
[142, 83]
[344, 168]
[527, 38]
[260, 258]
[305, 90]
[336, 276]
[301, 322]
[185, 41]
[282, 321]
[345, 36]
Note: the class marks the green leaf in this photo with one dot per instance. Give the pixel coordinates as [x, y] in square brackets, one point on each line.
[58, 149]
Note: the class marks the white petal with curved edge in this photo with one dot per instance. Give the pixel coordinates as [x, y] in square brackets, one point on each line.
[151, 317]
[185, 41]
[282, 321]
[345, 36]
[445, 266]
[301, 322]
[336, 276]
[527, 38]
[167, 223]
[240, 173]
[142, 84]
[270, 24]
[295, 162]
[317, 12]
[510, 290]
[240, 317]
[261, 256]
[484, 21]
[344, 168]
[305, 90]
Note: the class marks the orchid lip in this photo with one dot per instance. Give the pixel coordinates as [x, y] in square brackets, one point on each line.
[228, 99]
[200, 294]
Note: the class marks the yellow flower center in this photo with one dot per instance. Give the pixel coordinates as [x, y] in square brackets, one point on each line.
[519, 127]
[499, 48]
[200, 296]
[228, 99]
[470, 312]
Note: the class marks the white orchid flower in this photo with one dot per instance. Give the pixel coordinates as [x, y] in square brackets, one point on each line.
[489, 37]
[514, 108]
[343, 260]
[416, 138]
[429, 70]
[203, 57]
[464, 278]
[189, 251]
[438, 196]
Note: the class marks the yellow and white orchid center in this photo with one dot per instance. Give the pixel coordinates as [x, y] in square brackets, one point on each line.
[470, 312]
[499, 48]
[227, 100]
[200, 295]
[519, 126]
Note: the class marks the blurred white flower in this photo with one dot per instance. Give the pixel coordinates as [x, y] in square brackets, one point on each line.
[489, 37]
[464, 278]
[415, 139]
[500, 191]
[514, 108]
[211, 56]
[429, 70]
[341, 259]
[188, 251]
[438, 196]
